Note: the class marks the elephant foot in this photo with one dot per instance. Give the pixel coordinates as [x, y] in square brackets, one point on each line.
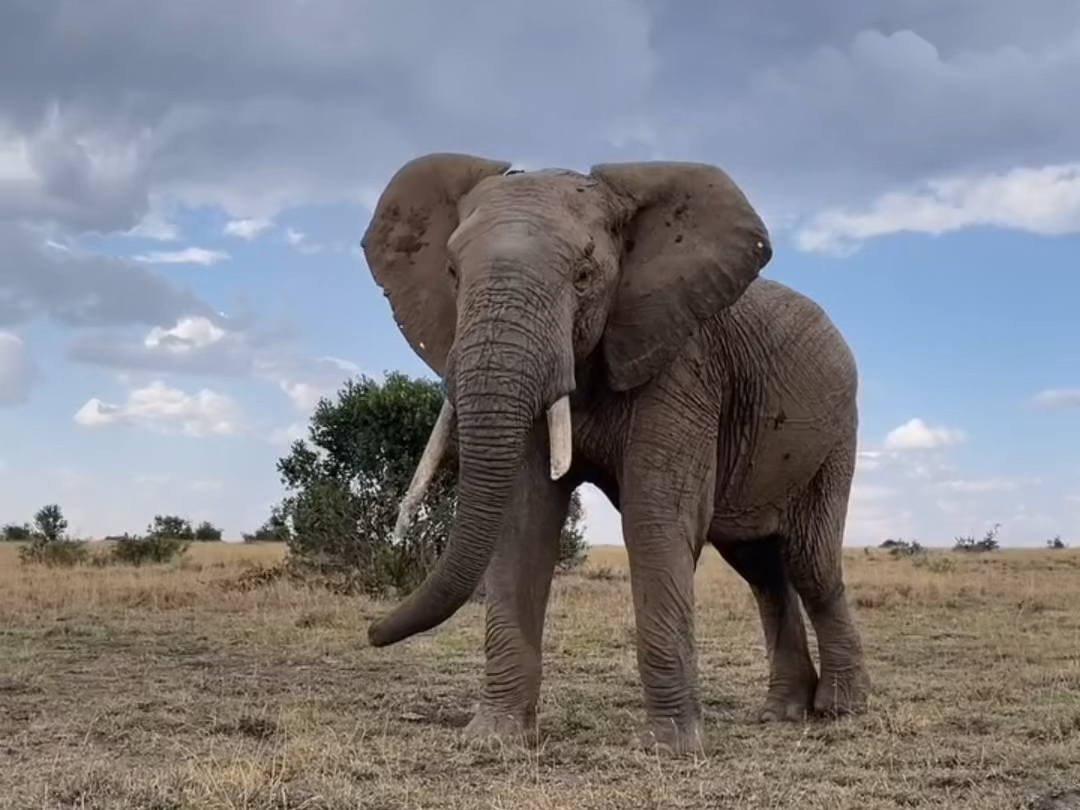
[790, 699]
[672, 737]
[842, 692]
[500, 728]
[789, 703]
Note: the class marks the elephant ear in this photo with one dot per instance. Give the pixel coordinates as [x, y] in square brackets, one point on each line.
[692, 245]
[405, 246]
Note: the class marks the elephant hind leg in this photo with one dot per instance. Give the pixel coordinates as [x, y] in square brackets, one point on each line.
[814, 559]
[792, 677]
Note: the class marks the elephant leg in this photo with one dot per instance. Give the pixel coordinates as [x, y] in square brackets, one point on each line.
[517, 585]
[814, 559]
[666, 501]
[792, 677]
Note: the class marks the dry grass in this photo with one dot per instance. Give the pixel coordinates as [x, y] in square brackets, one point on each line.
[158, 689]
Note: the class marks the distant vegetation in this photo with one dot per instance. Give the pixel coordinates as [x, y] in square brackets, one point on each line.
[342, 486]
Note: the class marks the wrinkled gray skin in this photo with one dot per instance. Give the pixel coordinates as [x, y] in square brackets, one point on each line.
[708, 406]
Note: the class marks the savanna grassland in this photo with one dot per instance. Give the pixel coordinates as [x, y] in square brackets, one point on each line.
[162, 687]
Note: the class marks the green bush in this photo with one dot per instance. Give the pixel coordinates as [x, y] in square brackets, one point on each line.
[344, 485]
[16, 533]
[207, 531]
[152, 549]
[171, 526]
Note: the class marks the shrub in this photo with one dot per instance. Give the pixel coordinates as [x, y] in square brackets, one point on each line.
[154, 548]
[903, 548]
[988, 542]
[16, 533]
[345, 482]
[207, 531]
[172, 526]
[63, 553]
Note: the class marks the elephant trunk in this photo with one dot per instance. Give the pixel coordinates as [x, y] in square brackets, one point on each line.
[502, 385]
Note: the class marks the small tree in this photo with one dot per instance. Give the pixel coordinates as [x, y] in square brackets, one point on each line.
[572, 544]
[50, 523]
[49, 544]
[346, 481]
[207, 531]
[171, 526]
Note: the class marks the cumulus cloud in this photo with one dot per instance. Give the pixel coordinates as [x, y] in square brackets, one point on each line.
[915, 434]
[1043, 201]
[831, 108]
[1058, 398]
[18, 372]
[201, 345]
[189, 334]
[159, 407]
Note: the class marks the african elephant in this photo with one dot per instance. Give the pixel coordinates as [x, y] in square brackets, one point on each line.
[707, 404]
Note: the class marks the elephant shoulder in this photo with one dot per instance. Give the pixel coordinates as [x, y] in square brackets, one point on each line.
[792, 329]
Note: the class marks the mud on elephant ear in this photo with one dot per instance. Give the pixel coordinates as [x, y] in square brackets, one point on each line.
[693, 243]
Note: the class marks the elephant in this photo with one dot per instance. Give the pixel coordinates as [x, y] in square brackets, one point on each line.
[612, 328]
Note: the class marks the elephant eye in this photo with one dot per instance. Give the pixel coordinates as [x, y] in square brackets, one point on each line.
[582, 274]
[452, 272]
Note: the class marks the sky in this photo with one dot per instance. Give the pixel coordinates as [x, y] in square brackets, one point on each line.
[184, 184]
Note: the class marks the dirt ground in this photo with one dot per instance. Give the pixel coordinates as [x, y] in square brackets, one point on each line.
[158, 689]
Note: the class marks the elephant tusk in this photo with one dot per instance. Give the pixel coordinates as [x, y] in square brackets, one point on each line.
[560, 434]
[425, 471]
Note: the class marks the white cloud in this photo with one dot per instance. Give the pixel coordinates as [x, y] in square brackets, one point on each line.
[915, 434]
[246, 229]
[187, 335]
[190, 255]
[1058, 398]
[18, 373]
[1043, 201]
[162, 408]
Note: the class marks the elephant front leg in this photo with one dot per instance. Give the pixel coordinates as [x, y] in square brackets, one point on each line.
[666, 508]
[517, 585]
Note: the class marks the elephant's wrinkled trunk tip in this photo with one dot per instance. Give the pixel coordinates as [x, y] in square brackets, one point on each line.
[425, 471]
[560, 437]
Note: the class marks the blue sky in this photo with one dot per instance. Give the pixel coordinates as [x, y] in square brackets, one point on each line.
[182, 196]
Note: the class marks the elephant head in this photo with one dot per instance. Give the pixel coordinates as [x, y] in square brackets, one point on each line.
[504, 282]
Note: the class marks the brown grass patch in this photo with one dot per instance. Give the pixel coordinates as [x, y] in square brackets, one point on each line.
[160, 688]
